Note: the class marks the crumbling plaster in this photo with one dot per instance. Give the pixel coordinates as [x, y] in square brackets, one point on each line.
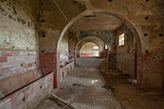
[19, 25]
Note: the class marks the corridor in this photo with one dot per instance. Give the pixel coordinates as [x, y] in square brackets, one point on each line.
[90, 88]
[83, 87]
[95, 54]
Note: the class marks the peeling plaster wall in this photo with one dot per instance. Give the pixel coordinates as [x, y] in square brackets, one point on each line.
[51, 24]
[64, 50]
[145, 16]
[18, 22]
[125, 54]
[20, 19]
[52, 21]
[19, 57]
[72, 46]
[105, 35]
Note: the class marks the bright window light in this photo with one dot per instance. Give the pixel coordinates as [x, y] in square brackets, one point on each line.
[95, 48]
[121, 39]
[106, 47]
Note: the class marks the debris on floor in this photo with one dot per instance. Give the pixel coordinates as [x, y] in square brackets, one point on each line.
[108, 86]
[76, 84]
[82, 87]
[62, 102]
[85, 88]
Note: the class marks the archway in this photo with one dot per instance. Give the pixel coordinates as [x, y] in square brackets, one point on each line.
[98, 41]
[89, 49]
[126, 22]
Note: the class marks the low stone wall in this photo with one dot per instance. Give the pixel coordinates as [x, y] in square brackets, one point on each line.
[66, 69]
[29, 96]
[17, 69]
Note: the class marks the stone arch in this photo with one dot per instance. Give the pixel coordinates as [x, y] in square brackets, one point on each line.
[127, 22]
[76, 48]
[80, 47]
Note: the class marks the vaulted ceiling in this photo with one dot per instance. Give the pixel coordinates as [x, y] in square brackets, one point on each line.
[98, 22]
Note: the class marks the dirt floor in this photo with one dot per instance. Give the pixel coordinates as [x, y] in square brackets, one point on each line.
[85, 88]
[125, 90]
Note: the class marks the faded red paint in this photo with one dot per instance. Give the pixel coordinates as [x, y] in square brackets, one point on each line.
[151, 76]
[29, 92]
[65, 69]
[17, 69]
[57, 73]
[47, 62]
[86, 54]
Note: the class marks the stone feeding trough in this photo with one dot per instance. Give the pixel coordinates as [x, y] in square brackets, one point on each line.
[64, 70]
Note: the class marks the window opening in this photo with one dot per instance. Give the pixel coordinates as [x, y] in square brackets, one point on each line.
[121, 39]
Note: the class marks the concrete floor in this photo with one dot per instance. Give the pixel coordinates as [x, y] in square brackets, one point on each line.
[83, 88]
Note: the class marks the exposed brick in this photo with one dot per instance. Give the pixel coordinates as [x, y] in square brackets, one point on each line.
[32, 93]
[26, 58]
[14, 83]
[11, 59]
[20, 58]
[6, 86]
[13, 101]
[15, 53]
[47, 62]
[27, 78]
[20, 102]
[3, 59]
[21, 80]
[10, 64]
[31, 76]
[1, 94]
[6, 53]
[4, 73]
[30, 64]
[36, 74]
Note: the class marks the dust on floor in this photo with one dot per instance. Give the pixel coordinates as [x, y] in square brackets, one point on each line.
[83, 88]
[125, 90]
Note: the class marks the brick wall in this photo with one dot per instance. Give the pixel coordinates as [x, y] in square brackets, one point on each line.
[17, 69]
[47, 62]
[29, 96]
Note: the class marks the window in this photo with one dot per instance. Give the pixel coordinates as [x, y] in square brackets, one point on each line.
[106, 47]
[95, 48]
[121, 39]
